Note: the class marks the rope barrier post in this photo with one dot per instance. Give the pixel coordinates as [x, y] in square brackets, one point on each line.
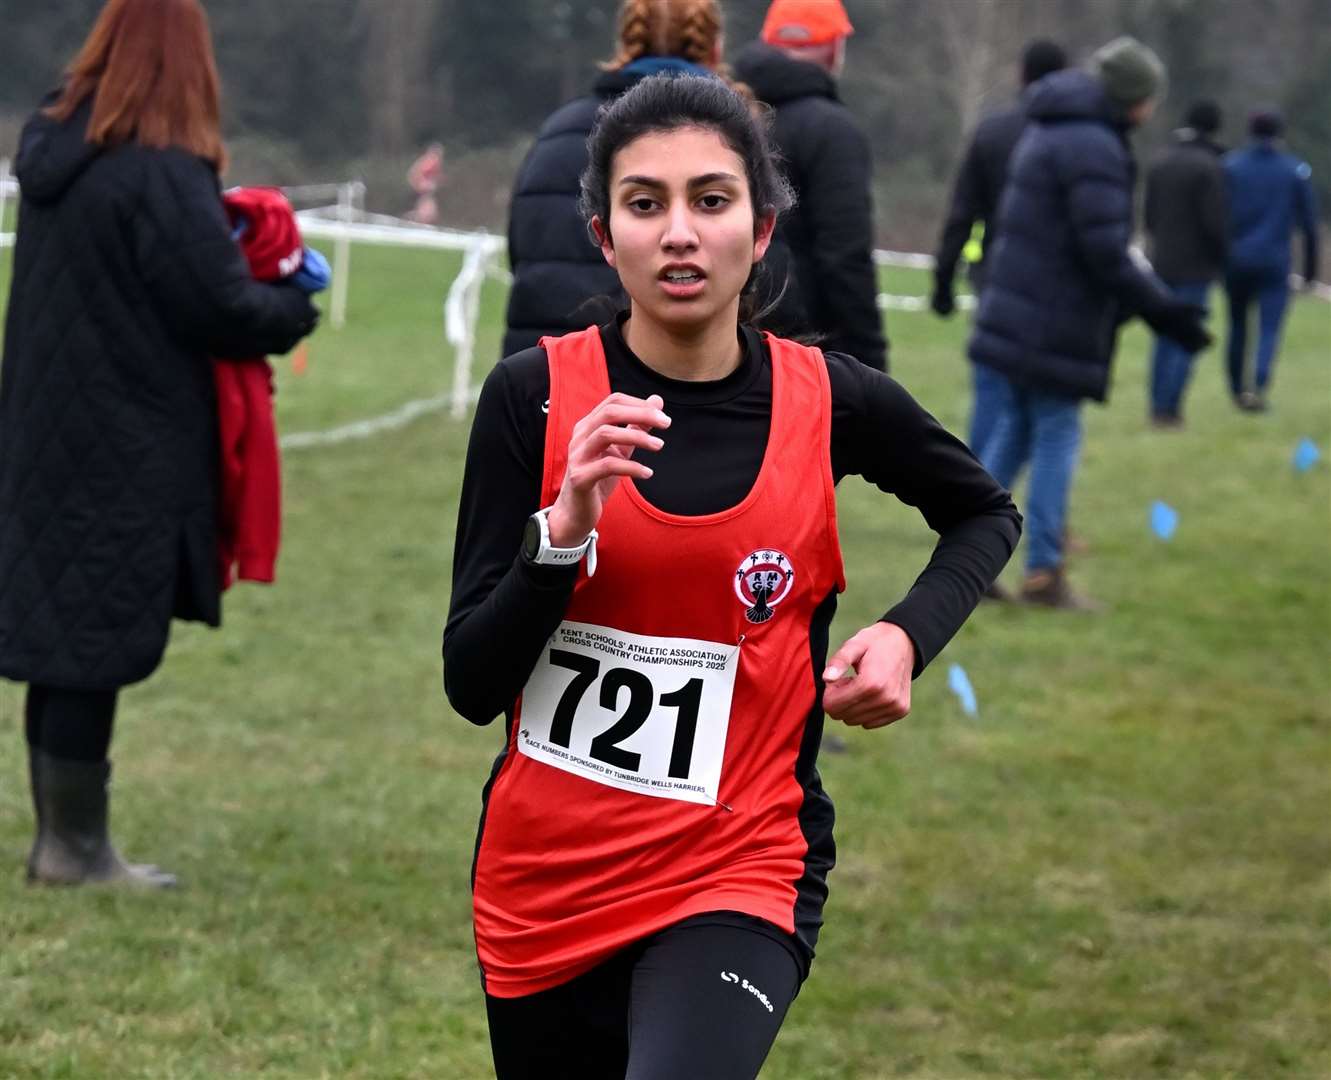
[460, 313]
[342, 255]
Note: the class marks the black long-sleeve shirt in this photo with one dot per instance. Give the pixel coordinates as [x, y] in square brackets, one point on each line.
[977, 189]
[504, 609]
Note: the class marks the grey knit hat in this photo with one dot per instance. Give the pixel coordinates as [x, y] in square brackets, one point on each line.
[1130, 71]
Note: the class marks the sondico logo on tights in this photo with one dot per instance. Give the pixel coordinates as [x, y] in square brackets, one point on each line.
[731, 977]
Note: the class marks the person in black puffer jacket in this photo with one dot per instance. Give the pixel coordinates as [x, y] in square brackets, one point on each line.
[1060, 281]
[980, 179]
[820, 270]
[1187, 217]
[126, 281]
[561, 282]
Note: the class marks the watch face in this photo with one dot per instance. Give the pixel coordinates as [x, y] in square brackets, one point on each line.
[531, 539]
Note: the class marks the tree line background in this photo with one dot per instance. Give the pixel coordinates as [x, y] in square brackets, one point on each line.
[334, 89]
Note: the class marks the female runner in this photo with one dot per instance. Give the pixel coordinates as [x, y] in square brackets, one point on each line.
[645, 572]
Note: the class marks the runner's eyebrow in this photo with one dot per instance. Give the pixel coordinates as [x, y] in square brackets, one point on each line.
[697, 181]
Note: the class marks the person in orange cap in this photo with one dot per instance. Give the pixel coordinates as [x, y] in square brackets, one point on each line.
[821, 274]
[817, 27]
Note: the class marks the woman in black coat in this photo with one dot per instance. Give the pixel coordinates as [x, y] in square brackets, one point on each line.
[126, 281]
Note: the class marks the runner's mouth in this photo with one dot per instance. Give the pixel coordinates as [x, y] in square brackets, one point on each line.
[682, 274]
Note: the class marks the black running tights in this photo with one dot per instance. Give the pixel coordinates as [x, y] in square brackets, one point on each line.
[694, 1002]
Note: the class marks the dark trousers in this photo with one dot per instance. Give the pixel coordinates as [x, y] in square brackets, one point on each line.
[74, 725]
[1269, 289]
[1171, 363]
[697, 1000]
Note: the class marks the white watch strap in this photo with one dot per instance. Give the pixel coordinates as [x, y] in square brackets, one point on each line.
[548, 555]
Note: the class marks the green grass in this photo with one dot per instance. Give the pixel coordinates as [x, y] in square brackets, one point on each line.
[1119, 869]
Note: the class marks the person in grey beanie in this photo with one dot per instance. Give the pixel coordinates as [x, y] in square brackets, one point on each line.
[1060, 282]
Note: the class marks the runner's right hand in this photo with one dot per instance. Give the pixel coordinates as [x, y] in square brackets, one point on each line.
[598, 456]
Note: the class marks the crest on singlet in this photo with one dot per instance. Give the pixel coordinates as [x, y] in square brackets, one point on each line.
[764, 578]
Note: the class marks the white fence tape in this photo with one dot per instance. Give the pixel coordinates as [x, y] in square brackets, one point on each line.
[891, 302]
[346, 221]
[365, 429]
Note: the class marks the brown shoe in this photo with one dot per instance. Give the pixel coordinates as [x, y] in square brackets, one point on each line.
[1050, 588]
[1166, 422]
[1075, 543]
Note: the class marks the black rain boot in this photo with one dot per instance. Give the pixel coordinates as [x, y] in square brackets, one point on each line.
[73, 846]
[39, 813]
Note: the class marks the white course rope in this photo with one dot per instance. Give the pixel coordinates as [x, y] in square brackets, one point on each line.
[345, 221]
[365, 429]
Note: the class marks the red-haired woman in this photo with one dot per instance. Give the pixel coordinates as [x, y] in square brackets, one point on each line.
[125, 282]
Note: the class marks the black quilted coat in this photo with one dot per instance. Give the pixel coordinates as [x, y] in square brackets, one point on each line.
[125, 281]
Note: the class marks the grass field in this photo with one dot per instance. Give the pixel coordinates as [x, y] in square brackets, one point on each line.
[1120, 868]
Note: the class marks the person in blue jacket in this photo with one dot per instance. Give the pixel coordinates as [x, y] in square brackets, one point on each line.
[1270, 195]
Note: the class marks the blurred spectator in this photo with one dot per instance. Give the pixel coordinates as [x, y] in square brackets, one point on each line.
[425, 176]
[980, 178]
[125, 280]
[558, 271]
[1060, 279]
[975, 196]
[1187, 219]
[821, 261]
[1270, 195]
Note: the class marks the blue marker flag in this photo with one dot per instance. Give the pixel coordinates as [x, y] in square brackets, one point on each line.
[1164, 520]
[1306, 455]
[960, 684]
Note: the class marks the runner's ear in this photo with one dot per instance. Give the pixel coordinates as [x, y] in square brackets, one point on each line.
[600, 236]
[762, 235]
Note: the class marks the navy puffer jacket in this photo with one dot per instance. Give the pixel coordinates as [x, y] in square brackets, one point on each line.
[1060, 279]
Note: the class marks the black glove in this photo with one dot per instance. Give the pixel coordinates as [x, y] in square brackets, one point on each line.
[302, 317]
[942, 301]
[1184, 323]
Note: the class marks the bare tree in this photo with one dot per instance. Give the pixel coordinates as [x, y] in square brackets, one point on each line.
[395, 59]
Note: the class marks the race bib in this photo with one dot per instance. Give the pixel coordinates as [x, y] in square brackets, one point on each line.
[644, 714]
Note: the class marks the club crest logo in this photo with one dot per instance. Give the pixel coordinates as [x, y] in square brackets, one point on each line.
[762, 581]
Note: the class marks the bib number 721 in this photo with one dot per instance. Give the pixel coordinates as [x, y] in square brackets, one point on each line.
[635, 712]
[605, 747]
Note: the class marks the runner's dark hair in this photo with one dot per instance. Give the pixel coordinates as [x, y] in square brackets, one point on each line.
[668, 102]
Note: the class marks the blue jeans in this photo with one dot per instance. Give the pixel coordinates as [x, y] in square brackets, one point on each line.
[982, 411]
[1040, 429]
[1270, 289]
[1171, 363]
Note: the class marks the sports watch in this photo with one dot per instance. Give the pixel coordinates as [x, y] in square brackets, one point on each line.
[537, 549]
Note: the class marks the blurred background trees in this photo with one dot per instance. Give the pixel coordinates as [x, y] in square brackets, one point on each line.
[330, 89]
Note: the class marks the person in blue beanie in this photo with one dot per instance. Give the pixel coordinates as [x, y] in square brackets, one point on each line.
[1270, 195]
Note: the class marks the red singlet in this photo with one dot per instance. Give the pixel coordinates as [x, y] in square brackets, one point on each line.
[650, 771]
